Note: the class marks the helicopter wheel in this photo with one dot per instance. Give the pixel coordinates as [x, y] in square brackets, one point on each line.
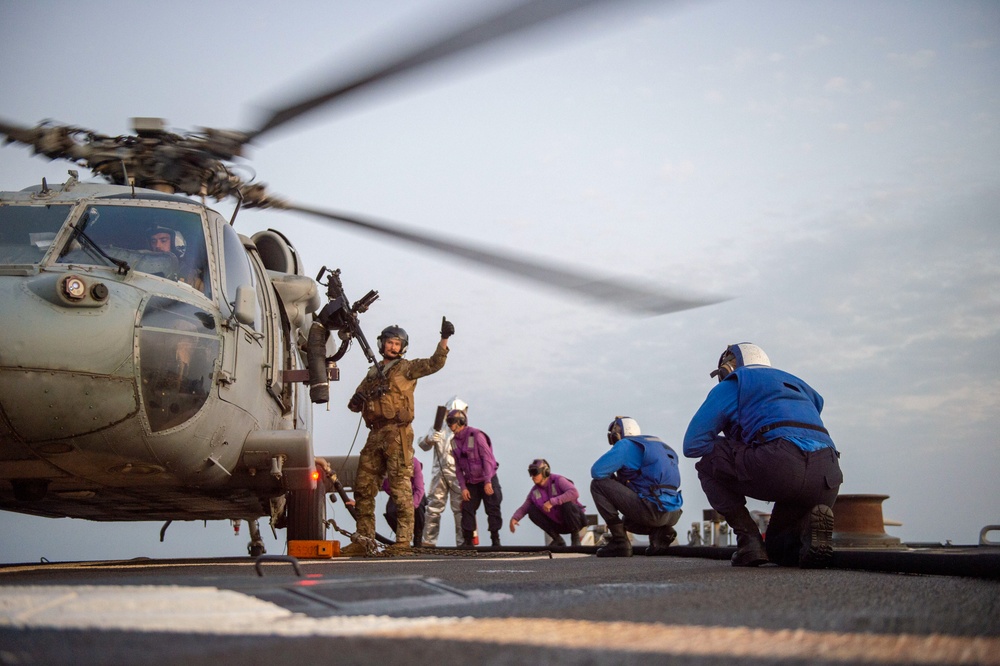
[307, 514]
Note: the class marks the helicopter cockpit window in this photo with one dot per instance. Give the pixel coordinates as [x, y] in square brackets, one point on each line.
[178, 347]
[160, 241]
[27, 232]
[238, 271]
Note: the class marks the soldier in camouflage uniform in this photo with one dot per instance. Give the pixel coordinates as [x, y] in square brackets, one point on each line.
[387, 408]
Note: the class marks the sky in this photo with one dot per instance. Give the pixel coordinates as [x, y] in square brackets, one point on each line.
[830, 167]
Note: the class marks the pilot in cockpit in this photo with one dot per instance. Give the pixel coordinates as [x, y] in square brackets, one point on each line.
[164, 239]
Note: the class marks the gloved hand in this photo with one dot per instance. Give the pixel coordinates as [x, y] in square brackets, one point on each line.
[447, 328]
[356, 402]
[432, 437]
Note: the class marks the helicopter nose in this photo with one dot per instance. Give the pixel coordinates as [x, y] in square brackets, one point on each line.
[66, 362]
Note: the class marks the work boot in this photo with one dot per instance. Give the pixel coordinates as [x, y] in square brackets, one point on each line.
[354, 549]
[750, 551]
[494, 539]
[557, 540]
[619, 546]
[574, 538]
[466, 541]
[399, 549]
[660, 539]
[817, 547]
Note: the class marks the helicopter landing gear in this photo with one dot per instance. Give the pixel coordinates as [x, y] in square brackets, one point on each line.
[307, 514]
[256, 545]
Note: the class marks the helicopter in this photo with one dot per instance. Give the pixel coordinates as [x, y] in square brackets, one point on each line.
[173, 378]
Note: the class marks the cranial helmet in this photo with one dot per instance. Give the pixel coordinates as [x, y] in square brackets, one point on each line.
[393, 331]
[457, 403]
[622, 426]
[457, 416]
[540, 466]
[737, 356]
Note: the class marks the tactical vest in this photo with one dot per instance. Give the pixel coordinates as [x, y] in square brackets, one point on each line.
[394, 405]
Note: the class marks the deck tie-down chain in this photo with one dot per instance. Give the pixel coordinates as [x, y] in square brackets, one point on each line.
[375, 549]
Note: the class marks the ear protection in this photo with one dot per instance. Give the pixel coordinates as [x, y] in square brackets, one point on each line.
[540, 466]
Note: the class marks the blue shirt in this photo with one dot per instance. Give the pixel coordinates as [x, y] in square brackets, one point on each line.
[720, 409]
[625, 462]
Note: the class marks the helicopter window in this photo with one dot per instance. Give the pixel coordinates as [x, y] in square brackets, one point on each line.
[27, 232]
[159, 241]
[178, 347]
[238, 271]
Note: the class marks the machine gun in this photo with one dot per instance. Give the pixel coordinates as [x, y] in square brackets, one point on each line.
[340, 316]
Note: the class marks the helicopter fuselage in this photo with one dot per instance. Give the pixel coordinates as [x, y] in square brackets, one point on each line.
[143, 384]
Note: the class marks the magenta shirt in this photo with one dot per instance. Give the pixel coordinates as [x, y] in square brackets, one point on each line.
[556, 489]
[474, 461]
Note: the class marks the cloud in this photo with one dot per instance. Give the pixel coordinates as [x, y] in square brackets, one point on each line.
[674, 172]
[916, 60]
[837, 84]
[819, 41]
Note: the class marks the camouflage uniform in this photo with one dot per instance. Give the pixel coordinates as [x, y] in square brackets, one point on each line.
[389, 449]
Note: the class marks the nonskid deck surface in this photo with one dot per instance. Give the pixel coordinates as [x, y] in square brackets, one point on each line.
[495, 607]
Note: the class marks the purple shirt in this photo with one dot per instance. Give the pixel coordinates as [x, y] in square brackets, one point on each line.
[555, 489]
[474, 461]
[417, 482]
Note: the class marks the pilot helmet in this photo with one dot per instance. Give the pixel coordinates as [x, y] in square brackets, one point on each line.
[394, 331]
[157, 230]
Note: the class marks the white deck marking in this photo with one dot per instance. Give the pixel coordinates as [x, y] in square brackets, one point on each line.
[207, 610]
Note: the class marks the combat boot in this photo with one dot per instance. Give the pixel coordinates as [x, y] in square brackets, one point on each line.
[817, 547]
[354, 549]
[619, 546]
[574, 538]
[750, 551]
[466, 541]
[495, 539]
[399, 548]
[660, 539]
[557, 540]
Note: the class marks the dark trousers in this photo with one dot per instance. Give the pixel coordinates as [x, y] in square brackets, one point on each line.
[573, 519]
[477, 496]
[779, 472]
[639, 516]
[419, 513]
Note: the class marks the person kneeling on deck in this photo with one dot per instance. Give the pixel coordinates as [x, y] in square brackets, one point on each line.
[552, 505]
[640, 480]
[772, 447]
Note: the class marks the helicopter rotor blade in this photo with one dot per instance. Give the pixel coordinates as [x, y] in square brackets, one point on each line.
[490, 29]
[607, 290]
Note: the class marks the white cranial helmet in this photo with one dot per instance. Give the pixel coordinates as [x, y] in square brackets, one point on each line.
[457, 403]
[622, 426]
[737, 356]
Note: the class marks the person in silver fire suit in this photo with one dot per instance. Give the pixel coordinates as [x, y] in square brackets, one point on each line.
[443, 489]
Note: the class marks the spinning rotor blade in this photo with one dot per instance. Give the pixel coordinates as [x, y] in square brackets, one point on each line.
[492, 28]
[608, 291]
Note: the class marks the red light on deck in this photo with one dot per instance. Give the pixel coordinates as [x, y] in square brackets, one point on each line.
[315, 475]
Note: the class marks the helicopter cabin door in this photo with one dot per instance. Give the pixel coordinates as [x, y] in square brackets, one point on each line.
[251, 364]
